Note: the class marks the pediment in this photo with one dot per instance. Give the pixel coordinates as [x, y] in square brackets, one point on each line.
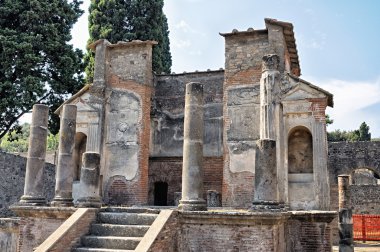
[302, 92]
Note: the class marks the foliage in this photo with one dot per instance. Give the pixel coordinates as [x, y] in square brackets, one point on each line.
[22, 142]
[125, 20]
[362, 134]
[329, 121]
[37, 63]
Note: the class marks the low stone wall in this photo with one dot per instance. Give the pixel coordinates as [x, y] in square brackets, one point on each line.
[246, 231]
[365, 199]
[9, 234]
[12, 179]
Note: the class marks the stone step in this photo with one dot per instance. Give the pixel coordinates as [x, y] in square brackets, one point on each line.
[130, 210]
[100, 250]
[126, 218]
[101, 229]
[111, 242]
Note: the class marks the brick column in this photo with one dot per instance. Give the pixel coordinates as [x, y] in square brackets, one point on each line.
[64, 173]
[345, 223]
[33, 190]
[192, 169]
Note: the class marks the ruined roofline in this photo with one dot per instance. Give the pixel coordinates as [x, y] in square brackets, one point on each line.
[290, 40]
[249, 31]
[290, 43]
[192, 72]
[122, 43]
[330, 96]
[76, 95]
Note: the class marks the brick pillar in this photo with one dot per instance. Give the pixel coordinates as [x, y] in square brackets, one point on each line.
[345, 223]
[64, 173]
[33, 190]
[192, 169]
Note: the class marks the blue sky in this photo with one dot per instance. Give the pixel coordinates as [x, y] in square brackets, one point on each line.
[338, 44]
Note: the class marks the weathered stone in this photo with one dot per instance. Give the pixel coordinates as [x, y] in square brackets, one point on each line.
[266, 192]
[177, 198]
[213, 199]
[89, 181]
[192, 171]
[269, 96]
[345, 225]
[33, 190]
[64, 175]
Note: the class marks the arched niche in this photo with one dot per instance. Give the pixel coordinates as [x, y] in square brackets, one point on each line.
[79, 149]
[364, 176]
[301, 192]
[300, 151]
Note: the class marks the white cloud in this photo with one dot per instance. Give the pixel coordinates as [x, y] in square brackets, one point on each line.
[351, 101]
[179, 43]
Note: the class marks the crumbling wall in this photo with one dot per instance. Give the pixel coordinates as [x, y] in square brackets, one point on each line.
[169, 170]
[241, 113]
[12, 179]
[168, 113]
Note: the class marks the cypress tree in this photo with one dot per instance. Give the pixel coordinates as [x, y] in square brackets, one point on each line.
[125, 20]
[37, 63]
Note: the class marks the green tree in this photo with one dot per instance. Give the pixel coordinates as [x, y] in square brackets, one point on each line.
[37, 63]
[18, 142]
[362, 134]
[125, 20]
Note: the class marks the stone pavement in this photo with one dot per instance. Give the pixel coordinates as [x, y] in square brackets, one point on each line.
[369, 246]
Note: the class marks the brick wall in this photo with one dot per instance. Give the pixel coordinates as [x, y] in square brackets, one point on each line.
[34, 231]
[12, 180]
[137, 188]
[167, 240]
[308, 236]
[169, 170]
[168, 113]
[243, 52]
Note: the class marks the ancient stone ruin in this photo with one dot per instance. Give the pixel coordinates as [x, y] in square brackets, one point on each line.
[243, 151]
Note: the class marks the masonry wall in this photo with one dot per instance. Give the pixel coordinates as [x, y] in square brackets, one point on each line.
[344, 158]
[241, 114]
[12, 179]
[169, 170]
[168, 113]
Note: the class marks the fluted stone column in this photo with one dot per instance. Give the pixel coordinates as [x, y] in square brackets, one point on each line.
[266, 186]
[33, 189]
[192, 169]
[64, 174]
[345, 223]
[269, 95]
[89, 181]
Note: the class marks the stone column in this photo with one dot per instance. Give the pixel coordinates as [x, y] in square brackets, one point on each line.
[192, 169]
[64, 173]
[33, 190]
[89, 186]
[269, 91]
[345, 223]
[266, 192]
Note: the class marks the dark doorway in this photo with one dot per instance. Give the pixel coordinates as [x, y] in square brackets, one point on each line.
[160, 194]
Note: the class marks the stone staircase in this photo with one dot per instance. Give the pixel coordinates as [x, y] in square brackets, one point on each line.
[117, 230]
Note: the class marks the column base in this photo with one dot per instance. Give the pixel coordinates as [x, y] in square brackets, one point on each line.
[89, 202]
[62, 202]
[192, 205]
[27, 200]
[267, 206]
